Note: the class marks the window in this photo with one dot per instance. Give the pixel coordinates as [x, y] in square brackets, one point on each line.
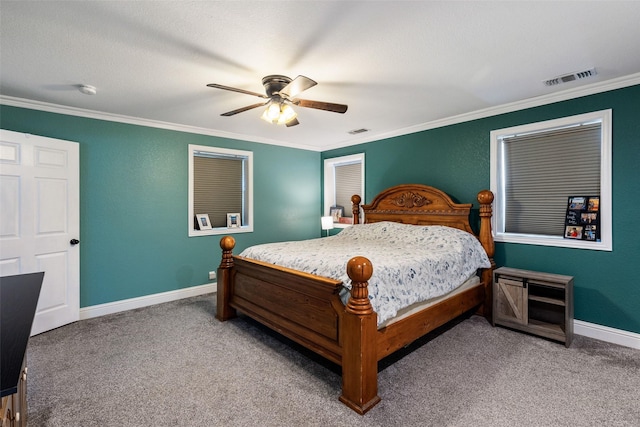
[220, 183]
[343, 177]
[536, 167]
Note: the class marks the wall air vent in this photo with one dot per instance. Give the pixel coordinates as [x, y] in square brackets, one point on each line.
[570, 77]
[357, 131]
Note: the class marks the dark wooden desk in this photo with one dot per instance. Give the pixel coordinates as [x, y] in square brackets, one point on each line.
[18, 300]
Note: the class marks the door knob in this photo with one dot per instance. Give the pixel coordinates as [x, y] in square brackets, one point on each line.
[74, 242]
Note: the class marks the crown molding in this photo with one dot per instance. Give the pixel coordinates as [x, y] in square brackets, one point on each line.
[594, 88]
[565, 95]
[98, 115]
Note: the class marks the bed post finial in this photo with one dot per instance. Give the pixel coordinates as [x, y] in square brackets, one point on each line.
[355, 208]
[359, 270]
[485, 198]
[223, 294]
[359, 353]
[227, 243]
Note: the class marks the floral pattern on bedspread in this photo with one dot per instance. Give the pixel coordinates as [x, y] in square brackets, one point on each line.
[410, 263]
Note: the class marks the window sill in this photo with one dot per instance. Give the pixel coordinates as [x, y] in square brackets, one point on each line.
[530, 239]
[220, 231]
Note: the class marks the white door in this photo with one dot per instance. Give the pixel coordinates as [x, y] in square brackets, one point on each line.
[40, 221]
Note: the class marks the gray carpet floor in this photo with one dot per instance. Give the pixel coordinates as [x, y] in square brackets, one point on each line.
[174, 364]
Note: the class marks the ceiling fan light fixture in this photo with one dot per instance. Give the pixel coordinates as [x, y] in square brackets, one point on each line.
[278, 113]
[286, 114]
[273, 112]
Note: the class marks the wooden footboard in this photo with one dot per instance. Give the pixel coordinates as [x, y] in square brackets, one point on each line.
[300, 306]
[307, 308]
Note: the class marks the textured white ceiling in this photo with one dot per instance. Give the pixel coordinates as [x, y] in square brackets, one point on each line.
[399, 65]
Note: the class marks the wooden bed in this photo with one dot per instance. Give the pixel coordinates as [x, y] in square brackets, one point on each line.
[307, 308]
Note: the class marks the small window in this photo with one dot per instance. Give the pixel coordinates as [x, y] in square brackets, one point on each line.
[343, 177]
[535, 168]
[220, 186]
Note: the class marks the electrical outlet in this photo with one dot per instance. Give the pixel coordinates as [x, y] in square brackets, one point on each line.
[212, 275]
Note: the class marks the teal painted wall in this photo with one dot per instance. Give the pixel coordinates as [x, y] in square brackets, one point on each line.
[456, 159]
[133, 202]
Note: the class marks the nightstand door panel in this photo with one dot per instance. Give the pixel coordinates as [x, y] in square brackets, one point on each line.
[511, 301]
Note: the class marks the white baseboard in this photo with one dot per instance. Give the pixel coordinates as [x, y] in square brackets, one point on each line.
[145, 301]
[591, 330]
[604, 333]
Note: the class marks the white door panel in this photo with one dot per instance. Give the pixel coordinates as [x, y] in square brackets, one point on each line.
[40, 211]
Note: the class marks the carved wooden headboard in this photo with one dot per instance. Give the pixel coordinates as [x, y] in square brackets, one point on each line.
[414, 204]
[423, 205]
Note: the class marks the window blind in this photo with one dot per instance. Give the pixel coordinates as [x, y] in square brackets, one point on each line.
[217, 188]
[542, 170]
[348, 181]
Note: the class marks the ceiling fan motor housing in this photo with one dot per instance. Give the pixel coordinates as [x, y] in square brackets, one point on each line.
[274, 84]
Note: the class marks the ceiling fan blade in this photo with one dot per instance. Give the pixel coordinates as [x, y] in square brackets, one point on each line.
[320, 105]
[292, 123]
[296, 86]
[240, 110]
[235, 89]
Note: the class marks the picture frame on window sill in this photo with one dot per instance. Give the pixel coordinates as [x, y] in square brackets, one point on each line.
[203, 222]
[336, 212]
[233, 220]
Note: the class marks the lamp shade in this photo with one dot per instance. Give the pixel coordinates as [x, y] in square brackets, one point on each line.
[327, 222]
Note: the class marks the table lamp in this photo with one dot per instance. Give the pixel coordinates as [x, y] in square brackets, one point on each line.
[327, 223]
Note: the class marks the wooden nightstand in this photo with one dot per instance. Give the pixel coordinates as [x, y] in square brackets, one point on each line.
[534, 302]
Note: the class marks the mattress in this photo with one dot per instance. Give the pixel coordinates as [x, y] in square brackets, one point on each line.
[411, 263]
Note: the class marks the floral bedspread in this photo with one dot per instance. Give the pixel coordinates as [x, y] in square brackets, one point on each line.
[410, 263]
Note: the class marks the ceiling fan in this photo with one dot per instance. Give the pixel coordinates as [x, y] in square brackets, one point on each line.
[281, 94]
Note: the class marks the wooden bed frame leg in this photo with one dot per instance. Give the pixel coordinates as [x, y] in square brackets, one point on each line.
[359, 337]
[485, 198]
[224, 311]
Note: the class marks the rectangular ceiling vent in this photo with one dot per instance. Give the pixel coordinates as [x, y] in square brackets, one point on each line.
[357, 131]
[571, 77]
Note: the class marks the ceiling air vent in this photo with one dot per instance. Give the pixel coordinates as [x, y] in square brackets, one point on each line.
[357, 131]
[570, 77]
